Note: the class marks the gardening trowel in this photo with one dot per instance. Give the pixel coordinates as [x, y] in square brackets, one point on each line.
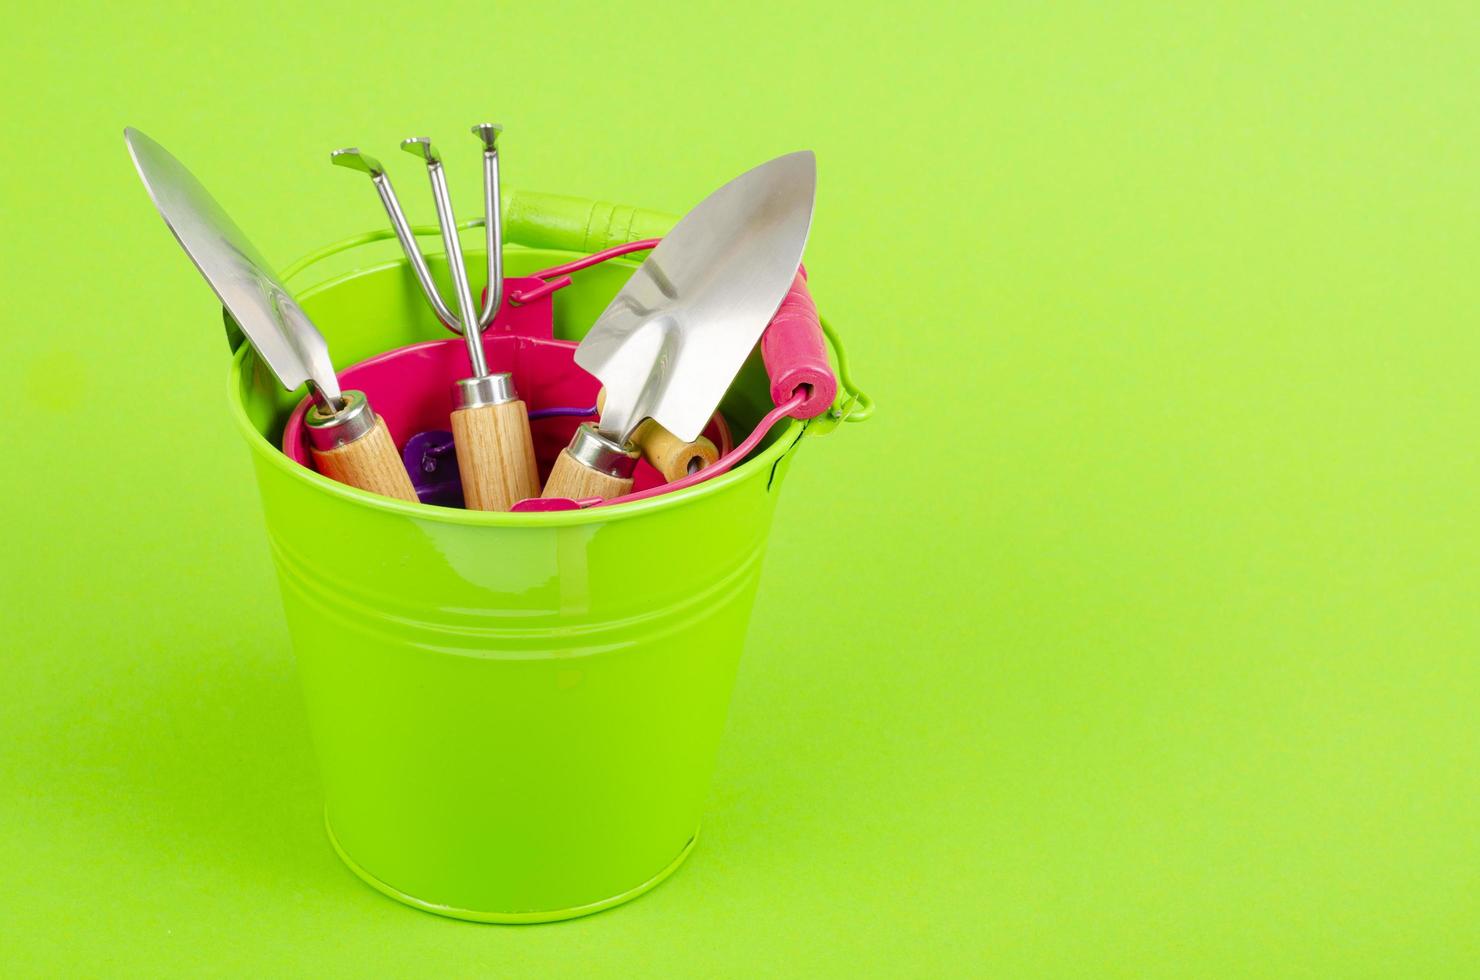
[349, 442]
[670, 343]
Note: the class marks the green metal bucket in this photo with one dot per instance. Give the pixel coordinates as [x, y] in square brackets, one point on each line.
[515, 715]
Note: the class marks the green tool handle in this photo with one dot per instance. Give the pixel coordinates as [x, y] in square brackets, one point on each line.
[578, 224]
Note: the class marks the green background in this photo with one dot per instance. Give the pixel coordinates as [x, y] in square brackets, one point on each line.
[1136, 635]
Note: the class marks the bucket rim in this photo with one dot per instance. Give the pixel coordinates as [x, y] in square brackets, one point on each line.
[787, 437]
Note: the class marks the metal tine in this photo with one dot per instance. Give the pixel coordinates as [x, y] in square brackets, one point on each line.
[488, 134]
[422, 146]
[352, 158]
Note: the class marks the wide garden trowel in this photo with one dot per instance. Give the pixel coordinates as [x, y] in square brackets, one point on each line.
[671, 342]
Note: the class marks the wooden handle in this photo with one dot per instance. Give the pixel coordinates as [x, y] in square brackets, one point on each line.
[574, 479]
[664, 451]
[495, 455]
[370, 463]
[669, 454]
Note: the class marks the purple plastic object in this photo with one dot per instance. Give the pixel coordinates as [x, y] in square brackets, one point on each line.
[562, 413]
[431, 459]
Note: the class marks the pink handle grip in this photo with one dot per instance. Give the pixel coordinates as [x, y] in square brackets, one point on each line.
[795, 354]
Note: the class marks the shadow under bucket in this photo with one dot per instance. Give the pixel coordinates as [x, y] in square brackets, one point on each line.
[515, 715]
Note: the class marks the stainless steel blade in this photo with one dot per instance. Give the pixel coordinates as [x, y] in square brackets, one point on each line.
[277, 327]
[670, 343]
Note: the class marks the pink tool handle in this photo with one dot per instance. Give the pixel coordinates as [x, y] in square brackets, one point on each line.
[796, 355]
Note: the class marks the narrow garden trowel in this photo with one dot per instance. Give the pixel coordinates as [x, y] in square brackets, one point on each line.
[349, 442]
[670, 343]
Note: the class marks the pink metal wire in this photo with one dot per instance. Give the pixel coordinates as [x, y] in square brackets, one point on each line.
[587, 261]
[559, 275]
[521, 296]
[725, 462]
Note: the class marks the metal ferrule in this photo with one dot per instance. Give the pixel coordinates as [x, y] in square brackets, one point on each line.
[491, 389]
[592, 449]
[330, 431]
